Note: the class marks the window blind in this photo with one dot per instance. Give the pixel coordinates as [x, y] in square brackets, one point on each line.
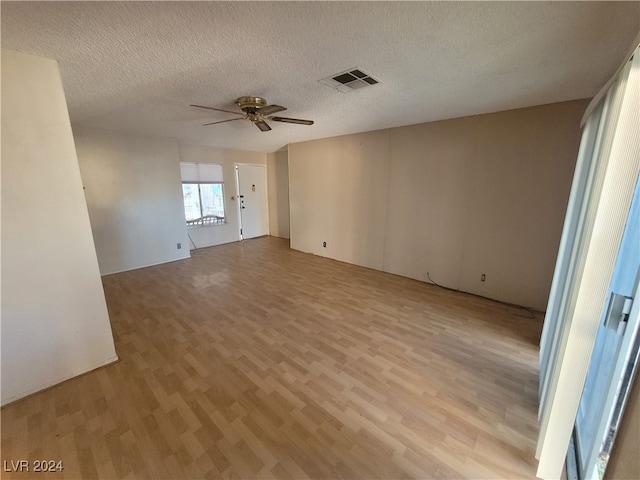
[570, 330]
[201, 172]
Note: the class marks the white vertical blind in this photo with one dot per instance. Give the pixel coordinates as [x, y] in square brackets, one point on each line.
[565, 270]
[593, 156]
[596, 100]
[585, 265]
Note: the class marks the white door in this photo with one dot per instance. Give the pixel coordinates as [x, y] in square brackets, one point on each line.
[252, 196]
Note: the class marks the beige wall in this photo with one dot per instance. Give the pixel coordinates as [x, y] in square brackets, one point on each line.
[278, 179]
[55, 323]
[457, 199]
[338, 195]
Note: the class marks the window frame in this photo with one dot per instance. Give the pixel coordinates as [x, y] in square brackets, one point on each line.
[201, 221]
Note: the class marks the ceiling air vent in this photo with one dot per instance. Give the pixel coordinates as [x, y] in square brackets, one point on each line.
[351, 79]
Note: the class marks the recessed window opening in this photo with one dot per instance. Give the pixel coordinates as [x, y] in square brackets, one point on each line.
[203, 194]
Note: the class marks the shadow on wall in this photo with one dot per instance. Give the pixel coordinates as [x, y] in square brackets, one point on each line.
[278, 186]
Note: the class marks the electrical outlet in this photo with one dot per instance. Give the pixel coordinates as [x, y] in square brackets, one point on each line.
[179, 245]
[483, 277]
[324, 244]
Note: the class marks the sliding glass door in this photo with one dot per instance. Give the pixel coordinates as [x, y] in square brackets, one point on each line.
[613, 359]
[594, 261]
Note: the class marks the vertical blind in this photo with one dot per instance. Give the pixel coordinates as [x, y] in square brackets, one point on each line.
[607, 168]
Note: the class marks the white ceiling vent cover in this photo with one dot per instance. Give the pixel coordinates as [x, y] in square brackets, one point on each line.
[349, 80]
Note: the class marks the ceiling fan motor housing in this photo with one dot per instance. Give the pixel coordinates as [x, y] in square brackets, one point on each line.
[251, 105]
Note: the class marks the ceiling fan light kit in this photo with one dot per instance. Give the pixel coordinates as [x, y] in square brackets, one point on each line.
[257, 110]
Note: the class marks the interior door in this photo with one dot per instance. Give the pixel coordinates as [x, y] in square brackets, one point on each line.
[252, 193]
[613, 360]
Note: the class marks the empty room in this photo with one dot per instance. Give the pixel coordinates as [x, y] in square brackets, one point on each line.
[319, 240]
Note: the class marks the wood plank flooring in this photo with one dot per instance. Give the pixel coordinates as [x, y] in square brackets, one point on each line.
[251, 360]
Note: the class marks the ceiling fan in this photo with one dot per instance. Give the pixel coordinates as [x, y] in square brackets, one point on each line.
[256, 110]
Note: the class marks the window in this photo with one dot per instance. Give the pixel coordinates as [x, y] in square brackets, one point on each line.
[203, 194]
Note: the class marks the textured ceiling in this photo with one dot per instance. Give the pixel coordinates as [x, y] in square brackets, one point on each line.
[136, 66]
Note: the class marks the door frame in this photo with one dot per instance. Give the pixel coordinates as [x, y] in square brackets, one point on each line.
[266, 189]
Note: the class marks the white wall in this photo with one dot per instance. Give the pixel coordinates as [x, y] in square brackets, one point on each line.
[230, 231]
[278, 180]
[457, 198]
[55, 323]
[134, 195]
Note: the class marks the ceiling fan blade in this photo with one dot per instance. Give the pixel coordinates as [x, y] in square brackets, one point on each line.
[222, 121]
[297, 121]
[217, 109]
[262, 125]
[271, 109]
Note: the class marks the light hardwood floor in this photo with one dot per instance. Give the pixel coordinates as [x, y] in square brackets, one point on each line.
[253, 360]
